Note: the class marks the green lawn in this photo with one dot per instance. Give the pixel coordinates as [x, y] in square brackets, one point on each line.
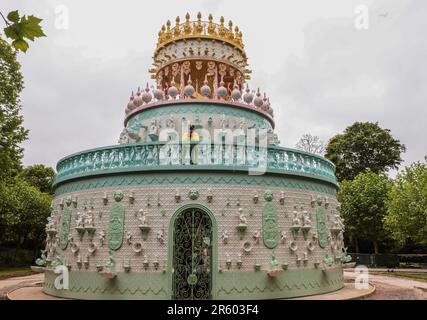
[414, 276]
[14, 272]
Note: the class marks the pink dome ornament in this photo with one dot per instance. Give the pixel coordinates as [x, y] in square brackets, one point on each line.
[137, 99]
[159, 94]
[248, 97]
[236, 94]
[189, 89]
[258, 100]
[146, 96]
[131, 105]
[264, 103]
[205, 90]
[222, 91]
[269, 109]
[173, 91]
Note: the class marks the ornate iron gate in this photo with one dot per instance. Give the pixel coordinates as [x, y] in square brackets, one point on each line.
[192, 263]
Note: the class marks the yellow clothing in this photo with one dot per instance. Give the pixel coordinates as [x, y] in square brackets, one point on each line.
[194, 137]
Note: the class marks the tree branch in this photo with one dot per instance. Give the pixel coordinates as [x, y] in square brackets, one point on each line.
[5, 21]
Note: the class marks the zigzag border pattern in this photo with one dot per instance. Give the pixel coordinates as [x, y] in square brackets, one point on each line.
[187, 178]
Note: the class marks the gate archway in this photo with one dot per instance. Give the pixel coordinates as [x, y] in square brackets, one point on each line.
[193, 239]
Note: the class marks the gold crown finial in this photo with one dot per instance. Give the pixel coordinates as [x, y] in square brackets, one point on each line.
[199, 29]
[187, 26]
[238, 36]
[211, 26]
[230, 34]
[222, 30]
[168, 35]
[177, 29]
[162, 37]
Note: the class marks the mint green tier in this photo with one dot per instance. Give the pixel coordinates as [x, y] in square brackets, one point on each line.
[149, 157]
[204, 113]
[233, 285]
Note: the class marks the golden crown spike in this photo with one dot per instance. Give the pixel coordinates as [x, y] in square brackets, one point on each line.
[200, 29]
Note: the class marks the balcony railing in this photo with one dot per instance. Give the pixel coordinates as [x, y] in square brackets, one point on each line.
[187, 156]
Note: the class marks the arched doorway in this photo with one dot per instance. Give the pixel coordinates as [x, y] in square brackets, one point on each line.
[192, 254]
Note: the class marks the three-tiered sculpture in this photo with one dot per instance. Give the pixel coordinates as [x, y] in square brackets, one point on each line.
[198, 200]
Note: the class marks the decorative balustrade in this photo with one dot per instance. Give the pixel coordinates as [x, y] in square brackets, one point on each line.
[175, 156]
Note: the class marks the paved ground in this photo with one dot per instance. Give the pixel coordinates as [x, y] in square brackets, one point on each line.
[394, 288]
[347, 293]
[30, 293]
[396, 270]
[385, 287]
[10, 284]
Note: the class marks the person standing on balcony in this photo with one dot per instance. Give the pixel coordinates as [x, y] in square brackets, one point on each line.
[191, 137]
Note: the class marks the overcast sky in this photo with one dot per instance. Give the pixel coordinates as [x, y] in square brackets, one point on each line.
[320, 71]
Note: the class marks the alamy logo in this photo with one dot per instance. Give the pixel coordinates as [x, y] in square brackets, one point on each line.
[230, 147]
[361, 21]
[362, 278]
[62, 281]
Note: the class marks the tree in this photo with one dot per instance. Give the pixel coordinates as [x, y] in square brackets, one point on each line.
[39, 176]
[12, 132]
[363, 206]
[406, 217]
[20, 29]
[23, 207]
[311, 144]
[23, 213]
[362, 146]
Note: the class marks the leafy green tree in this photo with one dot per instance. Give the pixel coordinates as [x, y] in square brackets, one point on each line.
[39, 176]
[363, 206]
[20, 29]
[12, 133]
[362, 146]
[407, 208]
[23, 213]
[23, 207]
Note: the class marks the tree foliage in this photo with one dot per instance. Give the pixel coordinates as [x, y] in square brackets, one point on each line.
[12, 133]
[39, 176]
[363, 206]
[20, 29]
[23, 212]
[310, 143]
[407, 210]
[362, 146]
[25, 194]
